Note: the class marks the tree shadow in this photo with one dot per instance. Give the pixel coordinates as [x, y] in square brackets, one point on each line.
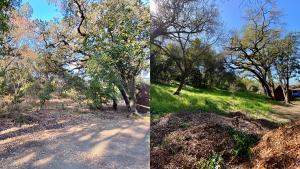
[103, 144]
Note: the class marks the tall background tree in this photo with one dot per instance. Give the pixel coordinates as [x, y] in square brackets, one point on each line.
[249, 52]
[263, 50]
[179, 23]
[287, 63]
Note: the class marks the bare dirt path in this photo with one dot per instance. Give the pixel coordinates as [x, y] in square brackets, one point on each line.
[87, 142]
[286, 113]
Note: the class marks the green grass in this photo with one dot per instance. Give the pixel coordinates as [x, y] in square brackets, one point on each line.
[207, 100]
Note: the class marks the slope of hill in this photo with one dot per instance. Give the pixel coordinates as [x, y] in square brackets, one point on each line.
[216, 101]
[221, 129]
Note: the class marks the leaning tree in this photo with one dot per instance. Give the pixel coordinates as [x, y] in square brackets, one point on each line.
[249, 51]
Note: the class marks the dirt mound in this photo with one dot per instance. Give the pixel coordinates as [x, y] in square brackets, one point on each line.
[183, 140]
[279, 148]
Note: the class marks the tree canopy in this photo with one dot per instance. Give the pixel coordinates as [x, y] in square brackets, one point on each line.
[98, 49]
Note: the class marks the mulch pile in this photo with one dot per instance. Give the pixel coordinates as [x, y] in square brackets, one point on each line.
[180, 140]
[279, 148]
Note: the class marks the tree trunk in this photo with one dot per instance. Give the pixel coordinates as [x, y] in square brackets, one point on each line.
[286, 92]
[132, 95]
[271, 84]
[263, 83]
[115, 104]
[286, 96]
[182, 81]
[125, 96]
[265, 86]
[268, 91]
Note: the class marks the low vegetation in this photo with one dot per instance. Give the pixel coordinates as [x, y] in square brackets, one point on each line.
[215, 161]
[242, 144]
[208, 100]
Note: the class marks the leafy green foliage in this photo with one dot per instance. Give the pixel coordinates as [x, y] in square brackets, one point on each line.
[102, 86]
[243, 143]
[101, 59]
[45, 94]
[100, 94]
[4, 7]
[213, 162]
[16, 83]
[205, 68]
[2, 83]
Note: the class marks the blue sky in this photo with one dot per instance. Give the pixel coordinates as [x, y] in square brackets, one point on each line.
[43, 10]
[232, 12]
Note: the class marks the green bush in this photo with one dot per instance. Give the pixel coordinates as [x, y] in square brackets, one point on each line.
[214, 162]
[253, 88]
[45, 94]
[2, 83]
[100, 93]
[242, 143]
[196, 79]
[18, 97]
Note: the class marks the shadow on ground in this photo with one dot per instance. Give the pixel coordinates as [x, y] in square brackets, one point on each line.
[91, 143]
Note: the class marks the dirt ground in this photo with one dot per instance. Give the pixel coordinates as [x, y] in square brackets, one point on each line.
[56, 139]
[286, 113]
[182, 140]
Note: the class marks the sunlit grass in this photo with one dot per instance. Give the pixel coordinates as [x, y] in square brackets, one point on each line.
[207, 100]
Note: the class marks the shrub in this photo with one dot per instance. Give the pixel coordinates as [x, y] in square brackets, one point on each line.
[213, 162]
[100, 93]
[45, 94]
[18, 97]
[243, 143]
[253, 88]
[196, 79]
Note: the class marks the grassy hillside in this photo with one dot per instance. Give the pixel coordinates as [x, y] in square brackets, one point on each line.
[208, 100]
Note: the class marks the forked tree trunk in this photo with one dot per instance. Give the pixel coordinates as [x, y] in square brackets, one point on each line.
[132, 97]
